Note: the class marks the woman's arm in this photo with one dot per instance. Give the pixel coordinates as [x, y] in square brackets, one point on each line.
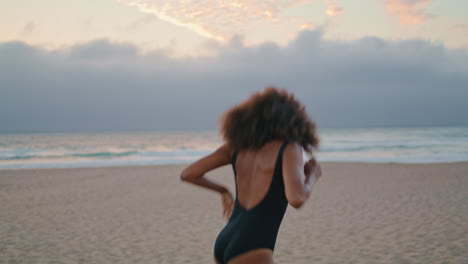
[194, 173]
[298, 177]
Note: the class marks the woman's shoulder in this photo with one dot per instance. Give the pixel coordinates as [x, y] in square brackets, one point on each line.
[293, 153]
[277, 147]
[286, 143]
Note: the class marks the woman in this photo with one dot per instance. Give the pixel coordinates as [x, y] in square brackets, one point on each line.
[264, 140]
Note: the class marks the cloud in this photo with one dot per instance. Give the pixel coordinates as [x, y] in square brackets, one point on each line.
[409, 12]
[218, 20]
[105, 86]
[102, 51]
[333, 9]
[306, 26]
[140, 22]
[28, 29]
[460, 26]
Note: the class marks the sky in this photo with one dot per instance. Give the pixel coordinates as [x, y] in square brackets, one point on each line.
[112, 65]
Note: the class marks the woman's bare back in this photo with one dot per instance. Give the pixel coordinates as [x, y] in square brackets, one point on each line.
[254, 173]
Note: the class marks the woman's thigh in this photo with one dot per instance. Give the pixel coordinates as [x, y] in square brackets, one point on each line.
[257, 256]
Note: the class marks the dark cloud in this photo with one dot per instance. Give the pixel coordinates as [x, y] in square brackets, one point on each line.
[101, 51]
[113, 86]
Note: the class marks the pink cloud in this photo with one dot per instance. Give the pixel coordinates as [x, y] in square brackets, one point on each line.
[460, 27]
[218, 20]
[409, 12]
[333, 9]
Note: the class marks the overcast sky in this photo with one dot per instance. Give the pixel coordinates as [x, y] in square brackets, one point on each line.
[102, 86]
[175, 65]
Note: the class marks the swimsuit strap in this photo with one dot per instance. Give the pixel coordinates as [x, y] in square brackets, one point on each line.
[280, 154]
[277, 184]
[233, 160]
[279, 159]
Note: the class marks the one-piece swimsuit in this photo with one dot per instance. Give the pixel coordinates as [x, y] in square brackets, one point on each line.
[255, 228]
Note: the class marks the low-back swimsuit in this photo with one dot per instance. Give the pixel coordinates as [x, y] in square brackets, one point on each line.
[255, 228]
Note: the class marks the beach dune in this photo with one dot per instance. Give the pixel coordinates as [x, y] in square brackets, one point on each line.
[357, 213]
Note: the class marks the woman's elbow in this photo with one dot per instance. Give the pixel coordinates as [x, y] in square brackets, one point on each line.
[297, 202]
[185, 175]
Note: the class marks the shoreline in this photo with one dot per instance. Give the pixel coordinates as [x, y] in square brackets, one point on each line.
[186, 164]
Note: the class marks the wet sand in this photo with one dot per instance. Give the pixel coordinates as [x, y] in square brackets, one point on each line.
[357, 213]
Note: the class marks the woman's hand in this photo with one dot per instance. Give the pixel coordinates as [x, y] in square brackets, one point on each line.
[228, 204]
[312, 167]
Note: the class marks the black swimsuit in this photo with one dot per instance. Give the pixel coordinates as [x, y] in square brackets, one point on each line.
[258, 227]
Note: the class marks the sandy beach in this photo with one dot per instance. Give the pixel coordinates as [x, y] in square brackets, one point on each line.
[357, 213]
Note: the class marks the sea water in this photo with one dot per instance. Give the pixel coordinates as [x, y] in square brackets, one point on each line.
[396, 144]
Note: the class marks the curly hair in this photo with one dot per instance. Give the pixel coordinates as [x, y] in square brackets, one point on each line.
[268, 115]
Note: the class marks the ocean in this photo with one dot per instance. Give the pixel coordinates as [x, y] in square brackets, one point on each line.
[397, 144]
